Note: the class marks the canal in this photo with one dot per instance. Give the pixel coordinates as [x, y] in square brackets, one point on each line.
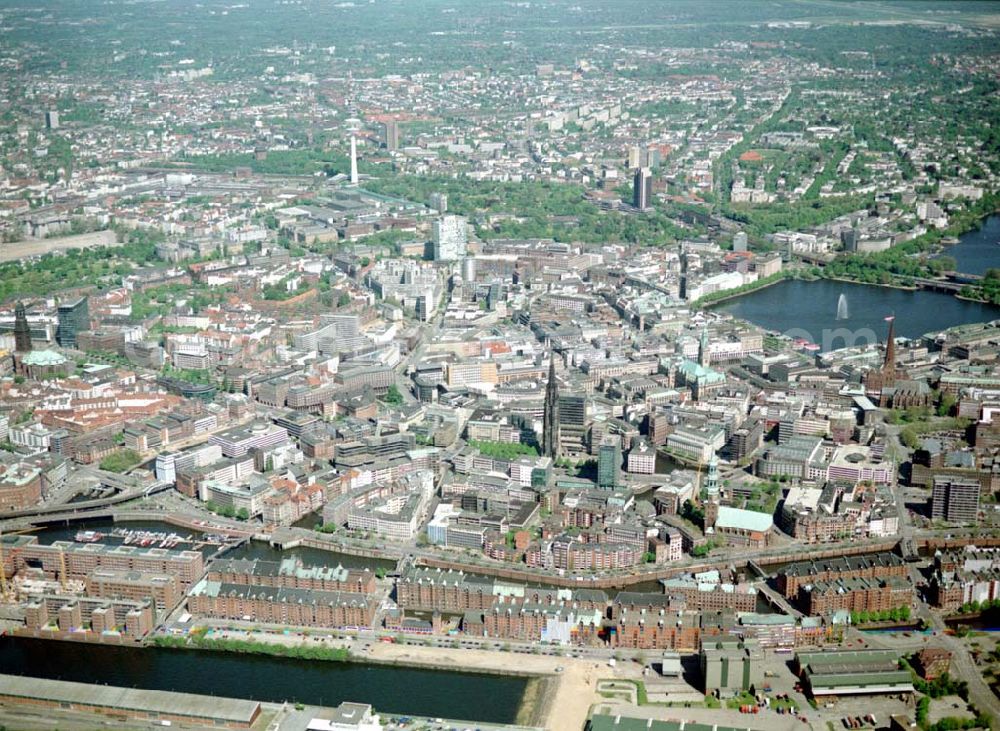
[253, 549]
[417, 691]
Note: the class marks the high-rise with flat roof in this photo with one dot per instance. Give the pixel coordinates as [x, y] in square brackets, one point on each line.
[572, 424]
[390, 134]
[955, 499]
[74, 317]
[609, 462]
[450, 238]
[642, 185]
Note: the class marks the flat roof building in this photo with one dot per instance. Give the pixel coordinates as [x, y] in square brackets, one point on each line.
[731, 666]
[147, 705]
[955, 499]
[852, 672]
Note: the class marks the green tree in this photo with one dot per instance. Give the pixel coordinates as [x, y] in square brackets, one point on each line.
[393, 395]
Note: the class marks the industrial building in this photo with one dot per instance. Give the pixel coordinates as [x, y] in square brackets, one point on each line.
[730, 666]
[852, 672]
[162, 707]
[606, 722]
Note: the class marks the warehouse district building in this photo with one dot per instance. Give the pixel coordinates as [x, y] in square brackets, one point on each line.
[128, 703]
[606, 722]
[730, 666]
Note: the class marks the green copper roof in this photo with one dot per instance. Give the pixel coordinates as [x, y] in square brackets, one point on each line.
[43, 358]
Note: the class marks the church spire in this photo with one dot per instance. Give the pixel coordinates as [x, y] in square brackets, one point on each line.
[550, 419]
[703, 348]
[22, 330]
[889, 364]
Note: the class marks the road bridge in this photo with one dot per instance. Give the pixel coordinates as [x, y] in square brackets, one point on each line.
[777, 601]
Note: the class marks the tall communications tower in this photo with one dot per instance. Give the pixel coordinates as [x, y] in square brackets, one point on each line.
[354, 161]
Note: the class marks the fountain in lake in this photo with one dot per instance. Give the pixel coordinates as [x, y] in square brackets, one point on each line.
[842, 313]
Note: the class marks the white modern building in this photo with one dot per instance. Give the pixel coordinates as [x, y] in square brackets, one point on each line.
[450, 238]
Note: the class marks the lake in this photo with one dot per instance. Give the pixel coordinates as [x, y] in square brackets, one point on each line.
[808, 309]
[978, 250]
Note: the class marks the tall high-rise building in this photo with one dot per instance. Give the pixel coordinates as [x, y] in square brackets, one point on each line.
[740, 241]
[74, 318]
[653, 156]
[955, 499]
[390, 134]
[550, 417]
[439, 202]
[450, 238]
[609, 462]
[642, 185]
[572, 424]
[634, 157]
[354, 161]
[22, 331]
[52, 119]
[849, 238]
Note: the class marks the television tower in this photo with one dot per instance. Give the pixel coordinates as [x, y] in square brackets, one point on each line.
[354, 161]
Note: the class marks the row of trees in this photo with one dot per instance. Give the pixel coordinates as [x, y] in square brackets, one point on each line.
[198, 640]
[899, 614]
[227, 511]
[990, 605]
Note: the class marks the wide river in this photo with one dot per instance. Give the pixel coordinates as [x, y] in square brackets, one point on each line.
[390, 689]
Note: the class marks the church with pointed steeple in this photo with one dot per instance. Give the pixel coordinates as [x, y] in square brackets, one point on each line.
[550, 417]
[878, 380]
[22, 330]
[889, 386]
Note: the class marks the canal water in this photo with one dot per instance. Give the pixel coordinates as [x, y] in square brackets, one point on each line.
[253, 549]
[68, 530]
[309, 556]
[808, 309]
[417, 691]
